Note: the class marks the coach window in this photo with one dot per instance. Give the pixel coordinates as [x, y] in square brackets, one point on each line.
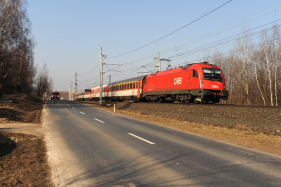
[134, 85]
[195, 74]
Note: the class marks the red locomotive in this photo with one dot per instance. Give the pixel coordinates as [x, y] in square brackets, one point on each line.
[199, 83]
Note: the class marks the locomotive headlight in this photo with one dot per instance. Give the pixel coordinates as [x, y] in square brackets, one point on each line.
[202, 84]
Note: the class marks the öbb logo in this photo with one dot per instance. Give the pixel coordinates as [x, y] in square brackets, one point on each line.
[215, 86]
[177, 80]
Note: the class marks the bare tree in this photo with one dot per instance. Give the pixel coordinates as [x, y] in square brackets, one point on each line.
[252, 71]
[43, 82]
[16, 47]
[276, 36]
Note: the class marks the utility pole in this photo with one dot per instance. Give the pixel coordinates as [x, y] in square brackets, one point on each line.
[159, 63]
[75, 85]
[101, 73]
[109, 79]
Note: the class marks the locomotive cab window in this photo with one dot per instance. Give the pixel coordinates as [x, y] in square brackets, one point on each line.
[212, 74]
[195, 74]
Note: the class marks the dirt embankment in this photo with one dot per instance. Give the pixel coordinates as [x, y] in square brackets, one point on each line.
[21, 108]
[252, 127]
[23, 157]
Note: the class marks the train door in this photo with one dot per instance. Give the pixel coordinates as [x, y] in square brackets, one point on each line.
[138, 88]
[195, 80]
[189, 79]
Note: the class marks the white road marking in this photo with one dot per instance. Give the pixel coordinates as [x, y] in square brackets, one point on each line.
[98, 120]
[141, 138]
[73, 107]
[82, 112]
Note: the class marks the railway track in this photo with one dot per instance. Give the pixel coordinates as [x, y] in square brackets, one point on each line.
[193, 104]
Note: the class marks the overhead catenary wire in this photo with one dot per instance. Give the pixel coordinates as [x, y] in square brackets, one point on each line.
[172, 32]
[216, 44]
[209, 34]
[89, 71]
[222, 42]
[194, 50]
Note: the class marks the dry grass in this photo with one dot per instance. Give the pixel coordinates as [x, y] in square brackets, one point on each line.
[21, 108]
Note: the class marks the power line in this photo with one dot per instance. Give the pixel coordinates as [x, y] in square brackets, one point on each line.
[173, 31]
[187, 53]
[223, 42]
[89, 71]
[208, 34]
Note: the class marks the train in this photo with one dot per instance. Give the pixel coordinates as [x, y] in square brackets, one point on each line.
[193, 83]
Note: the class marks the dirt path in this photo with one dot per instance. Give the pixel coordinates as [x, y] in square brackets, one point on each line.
[23, 153]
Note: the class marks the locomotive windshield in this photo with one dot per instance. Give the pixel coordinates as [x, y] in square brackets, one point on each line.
[212, 74]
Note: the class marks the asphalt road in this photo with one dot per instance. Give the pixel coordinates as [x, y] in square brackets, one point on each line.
[91, 147]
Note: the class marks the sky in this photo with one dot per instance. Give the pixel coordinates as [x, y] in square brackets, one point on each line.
[70, 33]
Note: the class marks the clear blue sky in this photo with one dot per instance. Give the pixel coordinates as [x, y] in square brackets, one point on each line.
[69, 33]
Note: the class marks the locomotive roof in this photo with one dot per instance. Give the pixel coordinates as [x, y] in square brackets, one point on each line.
[128, 80]
[182, 68]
